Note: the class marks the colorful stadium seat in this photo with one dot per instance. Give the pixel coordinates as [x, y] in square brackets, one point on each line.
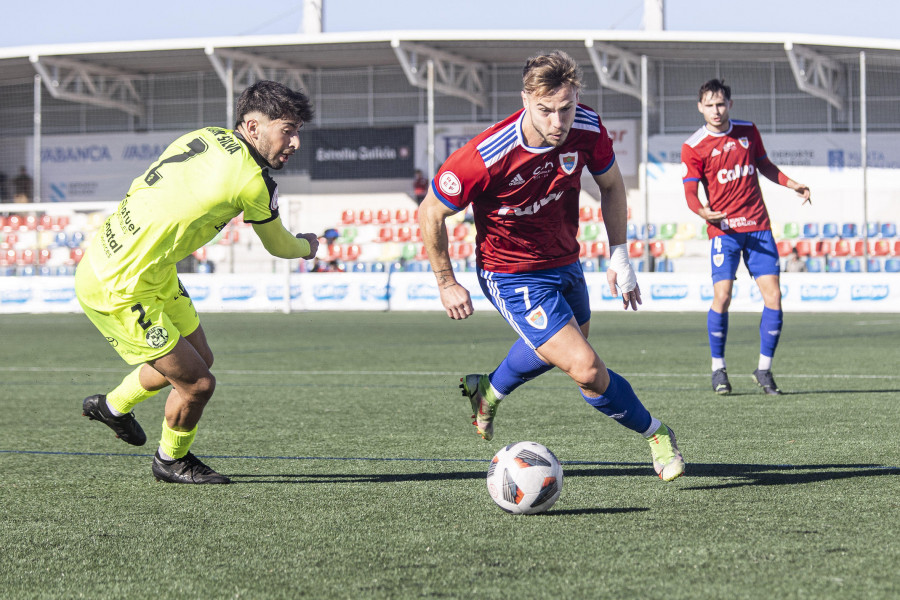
[791, 231]
[848, 230]
[829, 230]
[810, 230]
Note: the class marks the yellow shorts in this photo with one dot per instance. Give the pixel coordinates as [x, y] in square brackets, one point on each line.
[141, 327]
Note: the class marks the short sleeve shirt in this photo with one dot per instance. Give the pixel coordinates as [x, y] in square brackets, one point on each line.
[524, 199]
[199, 183]
[726, 165]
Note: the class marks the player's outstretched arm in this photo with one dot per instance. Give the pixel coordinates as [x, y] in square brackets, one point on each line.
[773, 173]
[280, 242]
[432, 223]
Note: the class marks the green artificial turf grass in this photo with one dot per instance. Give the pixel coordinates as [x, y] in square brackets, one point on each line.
[356, 473]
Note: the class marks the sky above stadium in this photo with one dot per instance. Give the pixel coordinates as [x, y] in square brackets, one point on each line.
[64, 21]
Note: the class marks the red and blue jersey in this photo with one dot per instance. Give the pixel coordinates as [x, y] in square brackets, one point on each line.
[727, 164]
[524, 199]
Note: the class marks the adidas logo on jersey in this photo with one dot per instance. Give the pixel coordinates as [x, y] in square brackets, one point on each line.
[715, 152]
[517, 180]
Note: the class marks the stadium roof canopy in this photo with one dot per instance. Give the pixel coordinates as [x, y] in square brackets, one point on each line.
[459, 56]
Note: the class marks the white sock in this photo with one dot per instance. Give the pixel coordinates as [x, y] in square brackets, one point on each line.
[113, 410]
[765, 363]
[654, 426]
[718, 363]
[163, 455]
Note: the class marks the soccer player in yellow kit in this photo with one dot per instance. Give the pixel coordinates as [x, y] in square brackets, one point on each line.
[128, 286]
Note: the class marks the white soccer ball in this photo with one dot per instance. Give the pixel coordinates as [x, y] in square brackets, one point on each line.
[524, 478]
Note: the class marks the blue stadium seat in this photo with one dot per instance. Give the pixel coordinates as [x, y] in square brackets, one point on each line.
[833, 265]
[829, 230]
[815, 264]
[648, 232]
[359, 267]
[589, 265]
[851, 265]
[76, 239]
[810, 230]
[888, 230]
[376, 267]
[874, 265]
[848, 230]
[632, 231]
[872, 230]
[892, 265]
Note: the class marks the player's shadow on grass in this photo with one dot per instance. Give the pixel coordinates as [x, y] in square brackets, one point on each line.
[354, 477]
[728, 475]
[740, 475]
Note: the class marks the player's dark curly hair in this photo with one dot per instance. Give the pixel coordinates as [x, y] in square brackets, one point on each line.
[546, 73]
[276, 101]
[714, 86]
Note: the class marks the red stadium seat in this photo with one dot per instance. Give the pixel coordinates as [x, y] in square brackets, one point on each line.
[842, 248]
[784, 248]
[583, 248]
[351, 252]
[464, 250]
[859, 248]
[586, 213]
[404, 234]
[386, 234]
[26, 257]
[13, 223]
[459, 232]
[364, 217]
[348, 217]
[803, 247]
[881, 248]
[8, 257]
[821, 248]
[200, 254]
[598, 249]
[401, 215]
[383, 216]
[657, 249]
[75, 255]
[636, 249]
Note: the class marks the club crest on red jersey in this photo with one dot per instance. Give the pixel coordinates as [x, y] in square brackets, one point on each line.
[568, 161]
[537, 318]
[744, 142]
[449, 184]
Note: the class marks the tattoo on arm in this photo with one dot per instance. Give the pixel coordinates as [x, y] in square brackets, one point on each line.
[445, 278]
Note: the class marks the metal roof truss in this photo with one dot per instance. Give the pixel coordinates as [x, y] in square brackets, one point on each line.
[453, 75]
[617, 69]
[88, 83]
[815, 74]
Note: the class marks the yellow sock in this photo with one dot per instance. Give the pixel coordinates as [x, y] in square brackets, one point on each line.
[176, 443]
[130, 393]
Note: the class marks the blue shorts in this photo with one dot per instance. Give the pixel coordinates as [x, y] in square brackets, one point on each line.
[756, 247]
[539, 303]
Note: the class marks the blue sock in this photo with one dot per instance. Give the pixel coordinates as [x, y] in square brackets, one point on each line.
[520, 365]
[770, 330]
[621, 403]
[717, 327]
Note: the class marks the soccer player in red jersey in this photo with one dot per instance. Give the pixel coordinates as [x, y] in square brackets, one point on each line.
[522, 177]
[725, 155]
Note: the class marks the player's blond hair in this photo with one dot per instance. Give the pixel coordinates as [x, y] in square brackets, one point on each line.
[546, 73]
